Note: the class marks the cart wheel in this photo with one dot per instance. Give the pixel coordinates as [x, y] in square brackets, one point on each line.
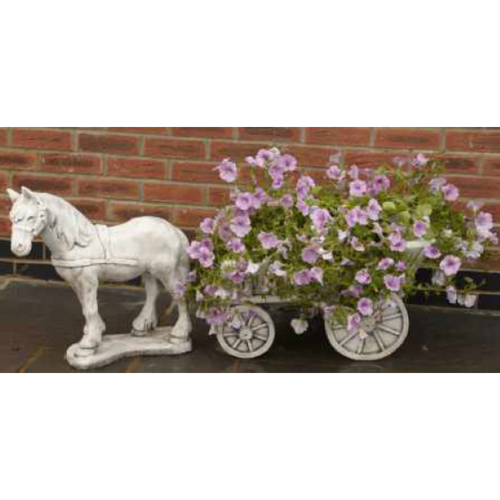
[385, 332]
[248, 333]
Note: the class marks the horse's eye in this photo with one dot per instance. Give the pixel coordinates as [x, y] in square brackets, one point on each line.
[31, 218]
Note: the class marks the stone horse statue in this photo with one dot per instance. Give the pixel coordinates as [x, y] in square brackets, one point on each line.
[84, 254]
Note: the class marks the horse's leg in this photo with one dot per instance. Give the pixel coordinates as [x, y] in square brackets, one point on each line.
[147, 319]
[183, 327]
[95, 326]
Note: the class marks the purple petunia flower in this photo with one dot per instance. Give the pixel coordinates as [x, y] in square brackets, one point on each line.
[303, 208]
[450, 265]
[268, 240]
[357, 188]
[419, 161]
[310, 254]
[432, 252]
[398, 243]
[216, 316]
[393, 283]
[244, 201]
[304, 186]
[276, 268]
[357, 245]
[357, 216]
[287, 201]
[320, 217]
[400, 266]
[475, 206]
[227, 170]
[353, 323]
[438, 278]
[385, 264]
[235, 245]
[354, 172]
[451, 294]
[259, 198]
[241, 225]
[420, 228]
[365, 307]
[382, 182]
[316, 274]
[302, 277]
[437, 183]
[363, 277]
[208, 226]
[335, 174]
[451, 192]
[373, 209]
[484, 221]
[288, 163]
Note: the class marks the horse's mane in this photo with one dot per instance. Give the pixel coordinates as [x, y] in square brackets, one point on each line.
[68, 222]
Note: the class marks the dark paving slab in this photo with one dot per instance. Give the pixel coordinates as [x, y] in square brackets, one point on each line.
[40, 321]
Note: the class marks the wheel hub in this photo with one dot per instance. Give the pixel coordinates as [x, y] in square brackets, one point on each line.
[246, 334]
[368, 324]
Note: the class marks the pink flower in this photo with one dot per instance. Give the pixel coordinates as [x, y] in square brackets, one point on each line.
[451, 294]
[365, 307]
[259, 198]
[475, 206]
[227, 171]
[208, 226]
[202, 252]
[451, 193]
[450, 265]
[357, 188]
[420, 228]
[363, 277]
[276, 268]
[268, 240]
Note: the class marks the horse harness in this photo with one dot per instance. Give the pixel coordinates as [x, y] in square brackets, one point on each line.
[104, 237]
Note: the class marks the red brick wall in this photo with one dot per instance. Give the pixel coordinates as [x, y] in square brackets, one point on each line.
[113, 174]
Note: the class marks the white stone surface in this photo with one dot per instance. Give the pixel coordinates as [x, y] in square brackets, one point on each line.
[85, 254]
[115, 347]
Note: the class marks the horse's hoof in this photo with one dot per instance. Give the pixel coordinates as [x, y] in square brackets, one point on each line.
[83, 352]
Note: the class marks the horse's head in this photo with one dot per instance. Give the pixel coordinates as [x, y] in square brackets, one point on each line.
[29, 218]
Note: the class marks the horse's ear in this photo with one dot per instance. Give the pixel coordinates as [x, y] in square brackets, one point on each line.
[13, 195]
[29, 195]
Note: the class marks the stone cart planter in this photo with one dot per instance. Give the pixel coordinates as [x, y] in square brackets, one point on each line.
[253, 332]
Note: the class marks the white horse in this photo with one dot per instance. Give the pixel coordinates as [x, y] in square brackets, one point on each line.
[84, 254]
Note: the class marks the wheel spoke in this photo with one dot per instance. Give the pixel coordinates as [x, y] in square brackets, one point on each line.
[395, 315]
[259, 336]
[230, 334]
[347, 338]
[237, 343]
[258, 327]
[361, 347]
[388, 329]
[379, 340]
[249, 345]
